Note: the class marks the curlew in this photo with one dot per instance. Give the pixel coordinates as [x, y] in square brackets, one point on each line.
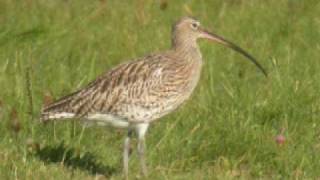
[135, 94]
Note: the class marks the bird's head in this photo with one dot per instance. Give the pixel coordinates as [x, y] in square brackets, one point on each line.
[187, 30]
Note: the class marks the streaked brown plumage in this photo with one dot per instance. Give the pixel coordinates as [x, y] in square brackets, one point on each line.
[136, 93]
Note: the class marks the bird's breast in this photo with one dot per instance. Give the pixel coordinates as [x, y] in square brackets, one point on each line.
[192, 77]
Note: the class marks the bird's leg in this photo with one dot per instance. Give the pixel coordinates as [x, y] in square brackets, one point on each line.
[141, 151]
[141, 131]
[126, 153]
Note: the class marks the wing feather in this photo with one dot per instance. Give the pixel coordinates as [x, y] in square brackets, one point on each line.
[107, 93]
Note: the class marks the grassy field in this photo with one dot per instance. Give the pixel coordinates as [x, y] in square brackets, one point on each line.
[226, 131]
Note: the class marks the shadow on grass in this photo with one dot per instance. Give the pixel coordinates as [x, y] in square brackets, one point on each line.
[70, 157]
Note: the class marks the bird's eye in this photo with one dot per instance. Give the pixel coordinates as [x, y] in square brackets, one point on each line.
[194, 25]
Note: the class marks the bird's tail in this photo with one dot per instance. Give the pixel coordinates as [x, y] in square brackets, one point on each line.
[47, 116]
[57, 110]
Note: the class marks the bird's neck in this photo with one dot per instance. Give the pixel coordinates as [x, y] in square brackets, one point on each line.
[187, 59]
[187, 49]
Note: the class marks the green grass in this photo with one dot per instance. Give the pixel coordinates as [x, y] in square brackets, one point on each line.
[226, 131]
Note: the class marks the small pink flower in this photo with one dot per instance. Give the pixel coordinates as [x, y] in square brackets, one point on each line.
[280, 139]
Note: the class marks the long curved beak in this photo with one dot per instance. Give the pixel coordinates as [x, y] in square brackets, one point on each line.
[221, 40]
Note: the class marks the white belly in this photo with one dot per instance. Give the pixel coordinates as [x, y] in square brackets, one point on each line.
[106, 120]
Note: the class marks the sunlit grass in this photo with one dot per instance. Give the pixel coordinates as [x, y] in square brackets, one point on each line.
[227, 130]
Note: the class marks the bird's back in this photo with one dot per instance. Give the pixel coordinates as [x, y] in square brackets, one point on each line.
[137, 91]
